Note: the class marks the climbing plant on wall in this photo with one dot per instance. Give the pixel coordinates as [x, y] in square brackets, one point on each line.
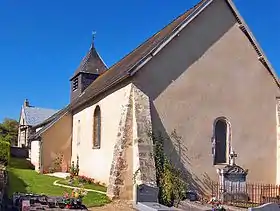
[172, 187]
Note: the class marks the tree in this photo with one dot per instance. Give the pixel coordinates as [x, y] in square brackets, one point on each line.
[9, 130]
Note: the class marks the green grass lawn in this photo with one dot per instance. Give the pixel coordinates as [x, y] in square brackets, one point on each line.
[85, 185]
[23, 179]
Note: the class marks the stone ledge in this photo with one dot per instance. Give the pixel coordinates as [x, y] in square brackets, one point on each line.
[153, 206]
[266, 207]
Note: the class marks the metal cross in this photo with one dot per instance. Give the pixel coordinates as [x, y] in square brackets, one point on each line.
[232, 156]
[93, 35]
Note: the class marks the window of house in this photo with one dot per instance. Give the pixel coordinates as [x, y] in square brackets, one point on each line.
[221, 139]
[75, 84]
[96, 127]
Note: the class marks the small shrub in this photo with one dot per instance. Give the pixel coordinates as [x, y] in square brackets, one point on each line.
[45, 172]
[56, 165]
[77, 169]
[82, 179]
[91, 181]
[74, 169]
[172, 188]
[4, 152]
[51, 170]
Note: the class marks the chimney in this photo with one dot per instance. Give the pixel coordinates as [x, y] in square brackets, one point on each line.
[26, 103]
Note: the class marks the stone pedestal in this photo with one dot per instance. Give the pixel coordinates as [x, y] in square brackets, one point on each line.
[232, 181]
[152, 206]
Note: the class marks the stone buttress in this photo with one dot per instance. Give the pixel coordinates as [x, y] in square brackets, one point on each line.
[133, 161]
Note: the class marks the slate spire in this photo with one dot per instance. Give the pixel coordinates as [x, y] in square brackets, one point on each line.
[90, 68]
[91, 63]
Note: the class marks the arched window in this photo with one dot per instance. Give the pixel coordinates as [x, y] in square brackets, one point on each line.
[221, 141]
[96, 127]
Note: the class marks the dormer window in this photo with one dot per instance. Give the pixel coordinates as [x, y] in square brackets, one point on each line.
[75, 84]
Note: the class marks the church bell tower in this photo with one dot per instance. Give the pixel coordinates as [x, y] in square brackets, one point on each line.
[88, 71]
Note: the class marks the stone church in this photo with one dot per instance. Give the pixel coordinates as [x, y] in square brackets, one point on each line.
[202, 82]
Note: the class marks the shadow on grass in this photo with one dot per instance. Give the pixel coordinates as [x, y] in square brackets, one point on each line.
[21, 163]
[15, 184]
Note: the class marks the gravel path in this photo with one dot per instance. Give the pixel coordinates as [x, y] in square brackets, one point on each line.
[115, 206]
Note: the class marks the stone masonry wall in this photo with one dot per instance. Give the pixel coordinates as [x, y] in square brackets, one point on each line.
[133, 161]
[143, 144]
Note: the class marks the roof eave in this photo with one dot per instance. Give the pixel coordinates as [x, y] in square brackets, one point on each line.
[264, 57]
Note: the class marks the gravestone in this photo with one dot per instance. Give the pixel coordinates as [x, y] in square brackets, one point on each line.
[147, 193]
[232, 181]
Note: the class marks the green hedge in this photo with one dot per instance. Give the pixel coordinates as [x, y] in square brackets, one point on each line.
[4, 152]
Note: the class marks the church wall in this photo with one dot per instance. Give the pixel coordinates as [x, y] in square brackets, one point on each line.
[57, 139]
[212, 70]
[96, 162]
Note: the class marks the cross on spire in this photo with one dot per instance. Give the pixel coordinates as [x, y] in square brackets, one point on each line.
[93, 36]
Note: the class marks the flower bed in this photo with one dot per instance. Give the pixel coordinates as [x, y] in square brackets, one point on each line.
[85, 182]
[77, 180]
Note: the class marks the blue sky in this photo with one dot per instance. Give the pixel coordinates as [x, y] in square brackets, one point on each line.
[42, 42]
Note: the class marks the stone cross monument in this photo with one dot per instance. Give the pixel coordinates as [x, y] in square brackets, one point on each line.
[232, 179]
[232, 157]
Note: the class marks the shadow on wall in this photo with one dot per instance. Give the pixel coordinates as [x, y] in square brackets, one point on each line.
[177, 57]
[177, 153]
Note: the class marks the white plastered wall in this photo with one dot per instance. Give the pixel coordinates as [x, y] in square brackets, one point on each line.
[35, 154]
[96, 163]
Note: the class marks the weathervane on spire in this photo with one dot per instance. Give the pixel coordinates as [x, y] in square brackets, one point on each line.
[93, 36]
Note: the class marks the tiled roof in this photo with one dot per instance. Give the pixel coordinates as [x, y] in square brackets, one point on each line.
[119, 71]
[91, 63]
[34, 115]
[49, 122]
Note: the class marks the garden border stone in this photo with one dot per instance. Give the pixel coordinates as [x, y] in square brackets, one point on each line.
[55, 183]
